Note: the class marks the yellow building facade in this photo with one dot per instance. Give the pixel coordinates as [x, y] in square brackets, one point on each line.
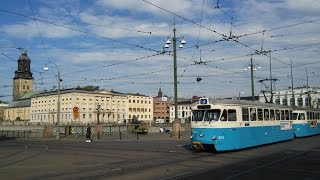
[140, 106]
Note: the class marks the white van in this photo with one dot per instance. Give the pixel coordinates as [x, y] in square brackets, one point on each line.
[159, 121]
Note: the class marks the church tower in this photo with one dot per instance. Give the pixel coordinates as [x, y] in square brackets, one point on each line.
[23, 80]
[160, 93]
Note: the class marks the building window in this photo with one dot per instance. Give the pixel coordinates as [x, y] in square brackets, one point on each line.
[300, 102]
[306, 102]
[284, 102]
[292, 102]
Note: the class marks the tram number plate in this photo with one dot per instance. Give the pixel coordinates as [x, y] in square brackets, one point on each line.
[285, 125]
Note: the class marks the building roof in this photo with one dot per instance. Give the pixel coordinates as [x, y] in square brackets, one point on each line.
[24, 101]
[20, 103]
[85, 90]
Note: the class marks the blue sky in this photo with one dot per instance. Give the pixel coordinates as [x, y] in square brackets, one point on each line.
[117, 44]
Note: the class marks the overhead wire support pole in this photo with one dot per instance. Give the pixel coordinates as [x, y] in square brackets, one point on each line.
[252, 83]
[175, 75]
[58, 94]
[293, 104]
[271, 93]
[176, 122]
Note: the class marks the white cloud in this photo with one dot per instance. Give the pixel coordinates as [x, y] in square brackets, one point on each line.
[182, 7]
[29, 30]
[307, 6]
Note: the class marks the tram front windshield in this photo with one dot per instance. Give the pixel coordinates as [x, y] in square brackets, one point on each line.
[206, 115]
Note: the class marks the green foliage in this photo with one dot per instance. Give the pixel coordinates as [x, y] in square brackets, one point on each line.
[135, 120]
[142, 130]
[89, 88]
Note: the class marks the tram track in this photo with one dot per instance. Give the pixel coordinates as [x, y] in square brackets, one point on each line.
[122, 167]
[266, 165]
[27, 153]
[250, 160]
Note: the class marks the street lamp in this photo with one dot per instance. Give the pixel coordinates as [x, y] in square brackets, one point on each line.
[168, 42]
[46, 68]
[240, 92]
[252, 68]
[98, 113]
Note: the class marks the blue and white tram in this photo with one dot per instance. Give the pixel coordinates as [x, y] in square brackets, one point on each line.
[230, 125]
[306, 122]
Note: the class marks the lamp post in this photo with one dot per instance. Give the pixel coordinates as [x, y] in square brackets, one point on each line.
[98, 113]
[182, 41]
[252, 68]
[240, 92]
[58, 102]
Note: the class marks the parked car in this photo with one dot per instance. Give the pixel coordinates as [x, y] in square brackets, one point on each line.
[142, 130]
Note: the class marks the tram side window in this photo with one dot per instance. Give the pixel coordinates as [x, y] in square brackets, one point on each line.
[277, 114]
[272, 114]
[282, 115]
[311, 116]
[224, 115]
[197, 115]
[308, 115]
[260, 115]
[266, 114]
[291, 114]
[302, 116]
[287, 115]
[253, 114]
[245, 114]
[295, 116]
[232, 115]
[212, 115]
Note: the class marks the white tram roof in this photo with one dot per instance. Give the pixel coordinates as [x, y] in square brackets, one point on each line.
[305, 109]
[229, 102]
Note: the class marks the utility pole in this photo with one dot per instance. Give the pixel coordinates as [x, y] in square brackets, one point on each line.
[252, 83]
[308, 93]
[293, 100]
[271, 93]
[175, 75]
[176, 122]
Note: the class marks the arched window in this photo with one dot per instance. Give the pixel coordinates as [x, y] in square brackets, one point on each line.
[300, 102]
[284, 102]
[306, 102]
[277, 101]
[292, 102]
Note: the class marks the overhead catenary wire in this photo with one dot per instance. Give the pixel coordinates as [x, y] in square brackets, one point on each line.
[42, 42]
[81, 31]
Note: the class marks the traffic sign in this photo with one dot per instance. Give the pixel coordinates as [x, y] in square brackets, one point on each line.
[75, 112]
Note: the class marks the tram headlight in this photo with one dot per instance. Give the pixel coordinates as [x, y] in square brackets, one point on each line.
[213, 138]
[201, 134]
[191, 137]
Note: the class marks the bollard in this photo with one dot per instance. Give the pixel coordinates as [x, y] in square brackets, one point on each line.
[179, 135]
[137, 136]
[120, 135]
[98, 135]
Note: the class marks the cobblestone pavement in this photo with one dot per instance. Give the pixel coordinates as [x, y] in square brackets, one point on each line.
[154, 156]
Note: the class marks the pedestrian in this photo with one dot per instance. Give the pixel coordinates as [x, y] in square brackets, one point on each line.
[88, 135]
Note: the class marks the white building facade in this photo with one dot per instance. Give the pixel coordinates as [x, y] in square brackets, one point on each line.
[184, 111]
[107, 106]
[301, 97]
